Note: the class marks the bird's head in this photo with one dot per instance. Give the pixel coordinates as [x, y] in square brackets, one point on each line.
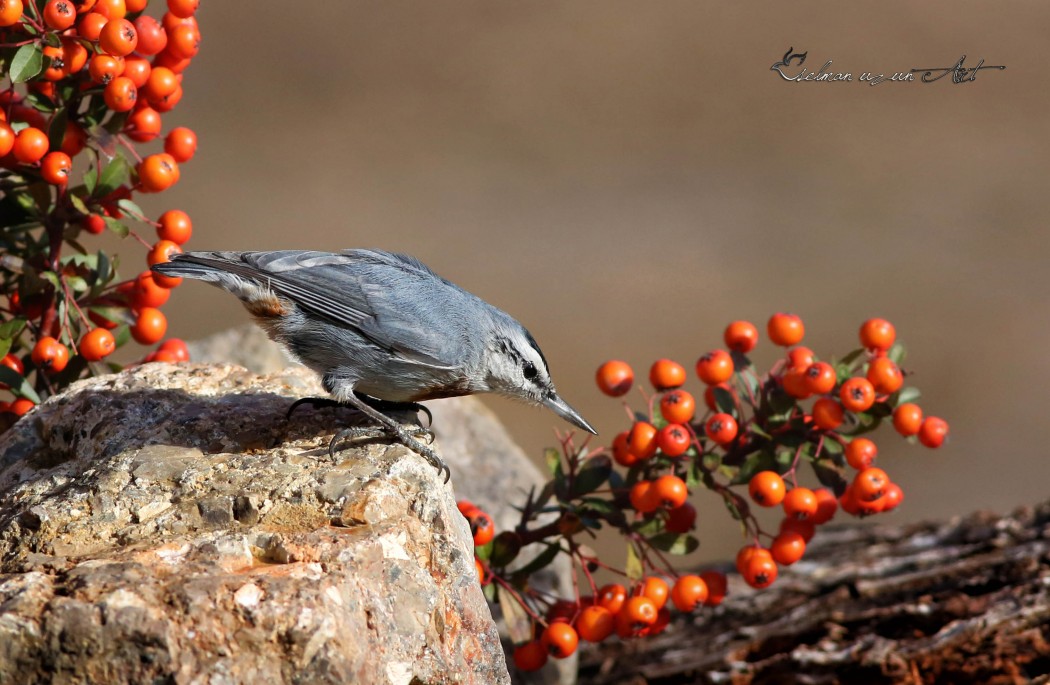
[516, 368]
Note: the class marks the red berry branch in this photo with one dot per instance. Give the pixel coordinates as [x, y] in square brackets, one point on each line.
[749, 444]
[85, 84]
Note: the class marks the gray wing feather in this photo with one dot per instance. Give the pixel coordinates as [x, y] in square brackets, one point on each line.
[386, 297]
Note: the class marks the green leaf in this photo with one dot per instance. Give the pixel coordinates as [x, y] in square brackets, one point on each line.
[5, 346]
[484, 551]
[633, 568]
[542, 560]
[27, 63]
[18, 384]
[647, 527]
[121, 335]
[675, 543]
[91, 179]
[596, 505]
[519, 625]
[116, 173]
[831, 474]
[594, 473]
[78, 204]
[897, 353]
[131, 208]
[505, 548]
[905, 395]
[11, 329]
[116, 226]
[553, 459]
[40, 103]
[724, 400]
[56, 132]
[759, 461]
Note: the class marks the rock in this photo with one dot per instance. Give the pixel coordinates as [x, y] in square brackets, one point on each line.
[165, 524]
[490, 469]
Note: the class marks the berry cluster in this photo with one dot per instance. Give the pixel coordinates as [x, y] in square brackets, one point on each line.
[87, 80]
[752, 432]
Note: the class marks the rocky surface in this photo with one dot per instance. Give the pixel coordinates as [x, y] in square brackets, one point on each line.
[488, 467]
[166, 524]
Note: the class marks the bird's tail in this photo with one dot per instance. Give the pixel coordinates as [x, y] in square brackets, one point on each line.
[227, 270]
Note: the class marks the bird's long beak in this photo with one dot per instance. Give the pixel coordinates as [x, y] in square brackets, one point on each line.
[562, 409]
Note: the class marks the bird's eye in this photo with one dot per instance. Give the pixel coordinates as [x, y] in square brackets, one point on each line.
[529, 370]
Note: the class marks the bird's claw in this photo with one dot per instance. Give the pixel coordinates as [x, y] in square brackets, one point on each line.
[405, 435]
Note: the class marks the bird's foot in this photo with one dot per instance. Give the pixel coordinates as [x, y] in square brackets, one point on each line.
[383, 406]
[406, 435]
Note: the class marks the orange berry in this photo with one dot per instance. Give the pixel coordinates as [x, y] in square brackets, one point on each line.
[677, 406]
[118, 37]
[670, 491]
[59, 14]
[612, 597]
[158, 172]
[150, 326]
[674, 440]
[760, 571]
[615, 378]
[807, 529]
[183, 8]
[787, 548]
[90, 25]
[716, 587]
[595, 623]
[689, 592]
[7, 138]
[145, 292]
[482, 527]
[175, 225]
[21, 406]
[885, 376]
[933, 431]
[30, 146]
[715, 367]
[655, 589]
[861, 453]
[621, 451]
[10, 12]
[96, 344]
[560, 639]
[480, 568]
[177, 348]
[184, 41]
[105, 68]
[741, 336]
[162, 251]
[152, 36]
[642, 497]
[827, 505]
[907, 418]
[161, 83]
[641, 441]
[111, 9]
[827, 413]
[877, 334]
[820, 378]
[137, 68]
[800, 357]
[55, 167]
[785, 329]
[639, 612]
[870, 484]
[74, 56]
[794, 381]
[745, 554]
[143, 125]
[800, 503]
[681, 519]
[120, 94]
[721, 428]
[14, 363]
[893, 497]
[857, 394]
[181, 143]
[465, 506]
[531, 656]
[666, 374]
[767, 488]
[50, 354]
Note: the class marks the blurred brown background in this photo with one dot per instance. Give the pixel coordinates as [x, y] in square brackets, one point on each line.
[626, 178]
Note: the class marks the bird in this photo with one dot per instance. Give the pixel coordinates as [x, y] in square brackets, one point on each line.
[383, 331]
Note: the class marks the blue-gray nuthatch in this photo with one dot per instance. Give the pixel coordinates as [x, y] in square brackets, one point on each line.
[382, 330]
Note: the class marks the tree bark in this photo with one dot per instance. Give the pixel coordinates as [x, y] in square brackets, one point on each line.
[965, 601]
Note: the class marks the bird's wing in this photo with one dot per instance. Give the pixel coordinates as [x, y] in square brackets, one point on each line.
[387, 298]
